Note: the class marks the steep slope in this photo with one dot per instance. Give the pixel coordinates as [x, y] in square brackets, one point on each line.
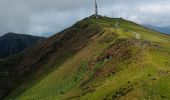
[97, 59]
[12, 43]
[36, 62]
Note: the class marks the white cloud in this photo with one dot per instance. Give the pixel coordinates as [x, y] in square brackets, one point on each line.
[156, 9]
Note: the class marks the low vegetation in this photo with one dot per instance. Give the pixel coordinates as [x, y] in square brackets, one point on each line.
[105, 59]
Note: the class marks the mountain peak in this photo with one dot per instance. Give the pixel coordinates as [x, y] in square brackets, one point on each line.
[12, 43]
[10, 33]
[96, 59]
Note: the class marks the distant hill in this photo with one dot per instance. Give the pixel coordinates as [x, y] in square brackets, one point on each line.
[95, 59]
[12, 43]
[160, 29]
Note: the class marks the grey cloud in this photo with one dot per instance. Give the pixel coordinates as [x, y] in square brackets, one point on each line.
[46, 17]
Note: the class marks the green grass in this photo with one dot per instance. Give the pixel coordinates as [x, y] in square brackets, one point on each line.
[139, 68]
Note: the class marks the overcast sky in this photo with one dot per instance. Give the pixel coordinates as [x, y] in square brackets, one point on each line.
[47, 17]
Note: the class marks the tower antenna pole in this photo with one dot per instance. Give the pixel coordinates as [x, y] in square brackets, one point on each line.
[113, 14]
[96, 9]
[121, 13]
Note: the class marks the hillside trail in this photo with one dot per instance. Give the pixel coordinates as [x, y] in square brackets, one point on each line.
[117, 24]
[137, 35]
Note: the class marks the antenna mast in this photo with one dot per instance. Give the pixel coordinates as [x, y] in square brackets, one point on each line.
[96, 10]
[121, 13]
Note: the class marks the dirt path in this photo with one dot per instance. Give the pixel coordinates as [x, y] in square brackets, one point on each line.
[117, 24]
[137, 35]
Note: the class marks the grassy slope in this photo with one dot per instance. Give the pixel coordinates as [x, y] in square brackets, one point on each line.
[32, 65]
[114, 65]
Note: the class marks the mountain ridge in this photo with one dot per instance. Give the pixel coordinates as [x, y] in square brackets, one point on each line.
[105, 58]
[12, 43]
[49, 47]
[165, 30]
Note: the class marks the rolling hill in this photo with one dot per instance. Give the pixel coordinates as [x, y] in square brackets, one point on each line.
[95, 59]
[12, 43]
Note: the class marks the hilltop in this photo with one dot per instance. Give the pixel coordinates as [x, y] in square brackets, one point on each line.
[95, 59]
[12, 43]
